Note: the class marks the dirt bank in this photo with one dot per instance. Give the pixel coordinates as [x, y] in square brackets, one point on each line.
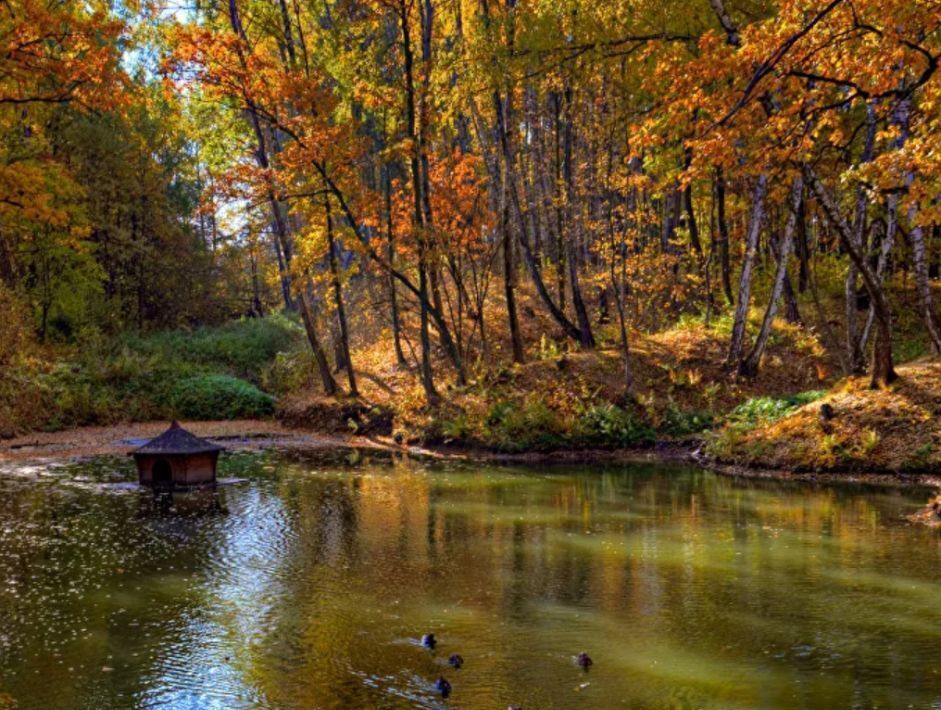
[248, 435]
[121, 439]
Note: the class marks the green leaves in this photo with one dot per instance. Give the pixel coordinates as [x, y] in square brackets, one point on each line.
[220, 397]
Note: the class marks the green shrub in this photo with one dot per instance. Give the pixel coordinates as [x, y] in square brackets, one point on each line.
[677, 422]
[242, 348]
[290, 372]
[498, 413]
[920, 458]
[609, 425]
[456, 427]
[210, 372]
[533, 425]
[220, 397]
[765, 410]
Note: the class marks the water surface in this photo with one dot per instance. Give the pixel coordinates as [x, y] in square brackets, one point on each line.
[309, 585]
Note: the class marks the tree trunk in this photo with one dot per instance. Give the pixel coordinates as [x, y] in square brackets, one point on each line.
[585, 336]
[854, 351]
[749, 366]
[723, 225]
[559, 216]
[280, 225]
[6, 264]
[338, 300]
[284, 277]
[748, 264]
[925, 300]
[509, 281]
[691, 212]
[532, 265]
[504, 118]
[792, 310]
[418, 214]
[619, 287]
[443, 331]
[308, 310]
[883, 369]
[393, 296]
[803, 250]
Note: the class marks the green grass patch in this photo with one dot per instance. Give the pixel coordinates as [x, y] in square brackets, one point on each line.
[220, 397]
[243, 348]
[677, 422]
[608, 425]
[727, 442]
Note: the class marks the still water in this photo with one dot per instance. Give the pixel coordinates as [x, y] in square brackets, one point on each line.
[309, 585]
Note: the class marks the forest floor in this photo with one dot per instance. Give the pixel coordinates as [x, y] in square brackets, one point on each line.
[565, 401]
[574, 400]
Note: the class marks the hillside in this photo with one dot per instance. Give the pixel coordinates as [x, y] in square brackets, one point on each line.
[895, 429]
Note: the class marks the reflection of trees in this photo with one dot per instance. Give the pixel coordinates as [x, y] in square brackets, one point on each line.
[315, 581]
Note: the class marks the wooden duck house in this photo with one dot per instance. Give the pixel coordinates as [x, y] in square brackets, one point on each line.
[177, 459]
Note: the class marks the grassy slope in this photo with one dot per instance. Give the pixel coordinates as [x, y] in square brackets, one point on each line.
[896, 429]
[575, 399]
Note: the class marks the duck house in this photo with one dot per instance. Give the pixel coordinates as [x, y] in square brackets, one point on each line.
[177, 460]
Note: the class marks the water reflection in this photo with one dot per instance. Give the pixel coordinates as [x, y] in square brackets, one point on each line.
[311, 585]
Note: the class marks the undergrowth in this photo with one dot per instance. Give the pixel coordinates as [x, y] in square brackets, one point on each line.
[753, 413]
[208, 373]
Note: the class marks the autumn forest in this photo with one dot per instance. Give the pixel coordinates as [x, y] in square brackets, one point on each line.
[470, 353]
[511, 223]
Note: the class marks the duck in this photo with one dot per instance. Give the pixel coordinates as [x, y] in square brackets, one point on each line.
[443, 687]
[583, 661]
[456, 661]
[429, 641]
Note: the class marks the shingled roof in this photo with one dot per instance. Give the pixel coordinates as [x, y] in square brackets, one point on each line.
[177, 441]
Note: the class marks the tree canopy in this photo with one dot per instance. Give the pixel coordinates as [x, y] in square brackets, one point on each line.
[397, 166]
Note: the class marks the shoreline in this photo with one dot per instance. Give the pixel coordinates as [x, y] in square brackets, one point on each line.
[258, 435]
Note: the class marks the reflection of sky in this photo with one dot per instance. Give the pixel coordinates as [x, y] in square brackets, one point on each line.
[247, 548]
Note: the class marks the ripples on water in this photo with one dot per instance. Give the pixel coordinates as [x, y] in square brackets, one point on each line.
[310, 585]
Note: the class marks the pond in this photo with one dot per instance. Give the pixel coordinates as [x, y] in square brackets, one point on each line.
[310, 585]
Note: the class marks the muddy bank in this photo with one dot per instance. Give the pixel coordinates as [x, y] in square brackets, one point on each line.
[881, 478]
[247, 435]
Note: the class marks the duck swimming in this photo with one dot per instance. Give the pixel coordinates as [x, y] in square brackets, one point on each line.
[443, 687]
[583, 661]
[429, 641]
[456, 660]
